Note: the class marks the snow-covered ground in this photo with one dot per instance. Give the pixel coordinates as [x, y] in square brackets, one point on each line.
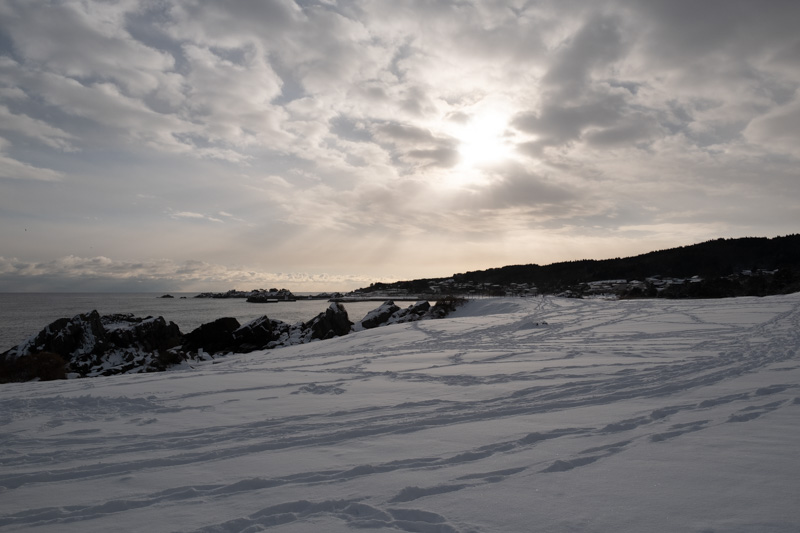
[512, 415]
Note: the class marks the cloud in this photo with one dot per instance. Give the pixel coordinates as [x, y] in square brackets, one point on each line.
[231, 98]
[197, 216]
[777, 130]
[353, 128]
[164, 274]
[557, 124]
[628, 131]
[86, 41]
[12, 169]
[516, 186]
[594, 46]
[687, 35]
[416, 145]
[121, 117]
[16, 170]
[188, 214]
[36, 129]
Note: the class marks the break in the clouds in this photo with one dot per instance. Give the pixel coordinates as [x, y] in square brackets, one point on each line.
[364, 140]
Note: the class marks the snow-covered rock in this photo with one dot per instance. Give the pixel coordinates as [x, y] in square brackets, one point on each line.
[378, 316]
[334, 322]
[255, 335]
[91, 345]
[389, 313]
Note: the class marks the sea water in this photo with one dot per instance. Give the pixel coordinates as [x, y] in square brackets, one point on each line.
[25, 314]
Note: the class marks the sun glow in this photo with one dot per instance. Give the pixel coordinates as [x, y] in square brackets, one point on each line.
[483, 140]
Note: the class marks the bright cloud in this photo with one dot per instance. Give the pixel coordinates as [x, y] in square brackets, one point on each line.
[417, 138]
[192, 275]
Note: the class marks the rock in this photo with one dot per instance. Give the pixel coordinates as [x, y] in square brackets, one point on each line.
[333, 322]
[255, 335]
[89, 344]
[233, 293]
[148, 334]
[379, 316]
[213, 337]
[445, 306]
[261, 298]
[167, 296]
[259, 295]
[41, 366]
[273, 295]
[419, 308]
[67, 337]
[388, 313]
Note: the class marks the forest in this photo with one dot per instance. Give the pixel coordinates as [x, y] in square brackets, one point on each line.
[749, 266]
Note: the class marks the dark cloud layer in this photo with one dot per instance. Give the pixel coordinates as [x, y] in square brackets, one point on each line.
[389, 139]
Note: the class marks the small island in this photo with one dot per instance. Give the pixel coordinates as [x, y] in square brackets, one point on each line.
[265, 296]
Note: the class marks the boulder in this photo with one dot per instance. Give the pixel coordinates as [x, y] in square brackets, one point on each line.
[88, 344]
[67, 337]
[148, 334]
[91, 345]
[42, 366]
[419, 309]
[389, 313]
[379, 316]
[255, 335]
[333, 322]
[213, 337]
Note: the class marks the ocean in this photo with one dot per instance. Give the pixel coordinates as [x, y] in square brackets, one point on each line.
[25, 314]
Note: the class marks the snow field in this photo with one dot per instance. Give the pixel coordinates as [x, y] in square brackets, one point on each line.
[512, 415]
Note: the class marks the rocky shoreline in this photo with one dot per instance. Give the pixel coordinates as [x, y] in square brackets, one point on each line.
[89, 345]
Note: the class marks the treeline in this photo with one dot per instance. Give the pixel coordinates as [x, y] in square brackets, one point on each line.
[728, 267]
[782, 281]
[713, 259]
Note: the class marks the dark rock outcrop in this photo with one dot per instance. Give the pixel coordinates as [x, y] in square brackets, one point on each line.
[92, 345]
[42, 366]
[260, 299]
[255, 335]
[418, 310]
[272, 295]
[214, 337]
[379, 316]
[257, 296]
[333, 322]
[389, 313]
[89, 344]
[80, 335]
[149, 334]
[445, 306]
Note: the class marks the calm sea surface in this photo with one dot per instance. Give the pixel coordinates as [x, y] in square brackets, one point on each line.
[25, 314]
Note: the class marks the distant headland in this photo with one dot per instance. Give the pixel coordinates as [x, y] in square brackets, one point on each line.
[749, 266]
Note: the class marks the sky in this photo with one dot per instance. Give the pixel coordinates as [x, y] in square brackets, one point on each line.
[151, 145]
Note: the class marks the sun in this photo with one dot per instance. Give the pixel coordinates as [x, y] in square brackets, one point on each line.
[483, 140]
